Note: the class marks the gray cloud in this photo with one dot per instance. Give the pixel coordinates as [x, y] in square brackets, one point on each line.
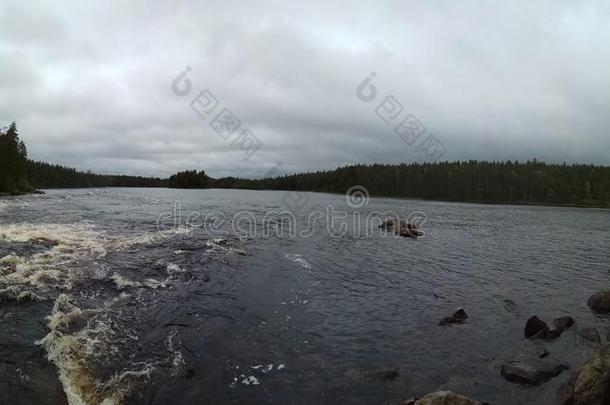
[90, 87]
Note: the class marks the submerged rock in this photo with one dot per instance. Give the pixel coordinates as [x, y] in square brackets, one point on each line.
[459, 316]
[600, 302]
[387, 375]
[510, 305]
[590, 383]
[562, 323]
[531, 372]
[445, 398]
[590, 334]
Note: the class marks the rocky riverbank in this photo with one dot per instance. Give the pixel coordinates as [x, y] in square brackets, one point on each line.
[20, 192]
[589, 383]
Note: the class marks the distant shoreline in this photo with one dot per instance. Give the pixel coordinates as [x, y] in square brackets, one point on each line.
[4, 195]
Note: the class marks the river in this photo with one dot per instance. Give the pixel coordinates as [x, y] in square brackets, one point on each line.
[154, 296]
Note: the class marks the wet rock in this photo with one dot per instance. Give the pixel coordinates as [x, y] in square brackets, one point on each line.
[409, 231]
[544, 353]
[446, 398]
[510, 306]
[531, 372]
[535, 326]
[459, 316]
[409, 401]
[590, 334]
[600, 302]
[590, 383]
[562, 323]
[400, 227]
[387, 375]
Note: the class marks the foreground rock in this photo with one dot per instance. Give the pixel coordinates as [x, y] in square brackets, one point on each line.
[390, 374]
[590, 384]
[459, 316]
[590, 334]
[600, 302]
[536, 328]
[562, 323]
[533, 372]
[400, 227]
[445, 398]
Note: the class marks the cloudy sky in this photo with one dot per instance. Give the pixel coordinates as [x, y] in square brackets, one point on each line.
[90, 83]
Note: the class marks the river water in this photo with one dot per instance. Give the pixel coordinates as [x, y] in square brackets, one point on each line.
[154, 296]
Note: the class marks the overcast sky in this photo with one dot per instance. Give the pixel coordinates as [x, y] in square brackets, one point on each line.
[90, 83]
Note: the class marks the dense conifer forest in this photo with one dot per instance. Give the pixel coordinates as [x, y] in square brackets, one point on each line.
[529, 182]
[18, 174]
[472, 181]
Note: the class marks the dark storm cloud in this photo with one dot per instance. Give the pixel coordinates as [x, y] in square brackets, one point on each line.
[90, 83]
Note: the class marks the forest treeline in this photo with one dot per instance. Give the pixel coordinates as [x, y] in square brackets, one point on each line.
[18, 174]
[189, 179]
[529, 182]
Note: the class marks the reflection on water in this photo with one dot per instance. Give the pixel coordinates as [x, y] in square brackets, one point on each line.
[97, 306]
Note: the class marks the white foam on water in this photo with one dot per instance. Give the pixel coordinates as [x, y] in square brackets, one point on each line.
[68, 243]
[147, 238]
[219, 245]
[173, 268]
[250, 380]
[50, 269]
[298, 259]
[176, 356]
[78, 336]
[122, 282]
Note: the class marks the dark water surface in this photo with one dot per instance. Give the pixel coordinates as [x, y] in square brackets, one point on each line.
[100, 304]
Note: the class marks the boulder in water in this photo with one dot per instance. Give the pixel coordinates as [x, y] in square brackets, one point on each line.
[388, 375]
[533, 372]
[590, 334]
[600, 302]
[535, 326]
[459, 316]
[446, 398]
[400, 227]
[562, 323]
